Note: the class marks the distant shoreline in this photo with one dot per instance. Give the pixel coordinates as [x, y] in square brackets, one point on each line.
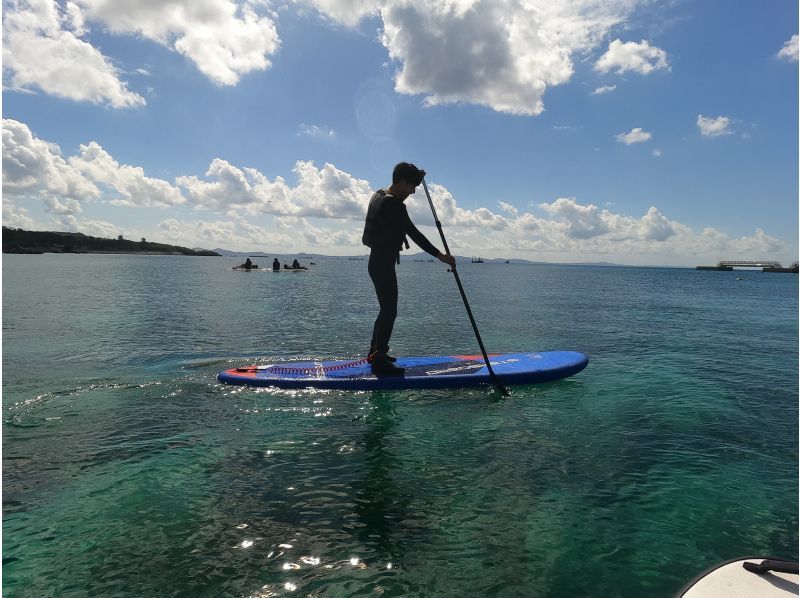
[99, 253]
[19, 241]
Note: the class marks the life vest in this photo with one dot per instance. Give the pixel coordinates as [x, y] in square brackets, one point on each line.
[377, 229]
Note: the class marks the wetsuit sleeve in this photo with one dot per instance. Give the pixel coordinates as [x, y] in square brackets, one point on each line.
[416, 236]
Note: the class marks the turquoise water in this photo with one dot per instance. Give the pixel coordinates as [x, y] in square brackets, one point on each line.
[129, 471]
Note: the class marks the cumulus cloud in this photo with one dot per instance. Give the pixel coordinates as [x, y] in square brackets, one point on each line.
[604, 89]
[636, 135]
[638, 57]
[503, 55]
[15, 216]
[285, 233]
[44, 45]
[200, 231]
[34, 168]
[87, 226]
[43, 49]
[136, 189]
[325, 192]
[223, 38]
[324, 208]
[580, 222]
[714, 127]
[447, 210]
[789, 51]
[507, 207]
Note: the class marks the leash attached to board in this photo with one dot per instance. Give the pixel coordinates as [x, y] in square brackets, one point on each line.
[493, 377]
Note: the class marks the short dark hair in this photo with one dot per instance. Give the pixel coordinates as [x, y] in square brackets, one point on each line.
[408, 173]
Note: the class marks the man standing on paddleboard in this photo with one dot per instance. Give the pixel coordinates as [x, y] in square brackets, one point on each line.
[385, 232]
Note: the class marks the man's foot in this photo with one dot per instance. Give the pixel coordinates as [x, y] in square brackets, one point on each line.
[381, 366]
[389, 358]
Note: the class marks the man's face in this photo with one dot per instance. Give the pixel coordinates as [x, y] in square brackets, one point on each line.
[405, 187]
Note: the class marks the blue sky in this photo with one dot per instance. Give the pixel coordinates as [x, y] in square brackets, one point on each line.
[628, 131]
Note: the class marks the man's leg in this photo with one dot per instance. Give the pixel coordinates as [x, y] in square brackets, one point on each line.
[384, 278]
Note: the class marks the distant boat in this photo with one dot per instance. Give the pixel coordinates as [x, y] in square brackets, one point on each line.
[419, 260]
[477, 260]
[507, 262]
[356, 259]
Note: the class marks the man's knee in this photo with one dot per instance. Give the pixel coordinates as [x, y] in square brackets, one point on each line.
[388, 312]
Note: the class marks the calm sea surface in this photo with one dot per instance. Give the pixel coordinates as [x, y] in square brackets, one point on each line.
[128, 470]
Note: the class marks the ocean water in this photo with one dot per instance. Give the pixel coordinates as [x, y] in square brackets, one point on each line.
[128, 470]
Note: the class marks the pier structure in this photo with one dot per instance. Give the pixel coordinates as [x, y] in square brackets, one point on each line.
[750, 264]
[765, 265]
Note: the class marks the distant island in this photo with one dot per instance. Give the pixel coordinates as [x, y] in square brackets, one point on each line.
[17, 240]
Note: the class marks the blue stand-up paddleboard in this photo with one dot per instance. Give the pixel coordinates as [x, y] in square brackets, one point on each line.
[452, 371]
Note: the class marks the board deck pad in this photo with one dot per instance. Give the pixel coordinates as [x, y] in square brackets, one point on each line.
[451, 371]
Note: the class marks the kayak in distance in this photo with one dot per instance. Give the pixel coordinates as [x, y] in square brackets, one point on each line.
[449, 371]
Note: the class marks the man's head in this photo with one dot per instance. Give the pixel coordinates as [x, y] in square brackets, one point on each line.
[405, 178]
[408, 173]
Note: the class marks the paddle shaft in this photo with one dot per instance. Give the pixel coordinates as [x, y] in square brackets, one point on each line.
[492, 375]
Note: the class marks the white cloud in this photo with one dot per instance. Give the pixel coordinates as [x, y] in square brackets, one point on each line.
[137, 190]
[448, 211]
[347, 12]
[42, 49]
[580, 222]
[323, 211]
[655, 227]
[15, 216]
[325, 192]
[44, 46]
[286, 233]
[316, 131]
[714, 127]
[507, 207]
[201, 232]
[790, 50]
[604, 89]
[638, 57]
[503, 55]
[636, 135]
[223, 38]
[657, 153]
[34, 168]
[92, 228]
[61, 206]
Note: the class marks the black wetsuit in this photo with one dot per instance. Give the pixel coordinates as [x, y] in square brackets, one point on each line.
[385, 232]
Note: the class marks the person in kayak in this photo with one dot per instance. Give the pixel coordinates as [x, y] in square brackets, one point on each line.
[385, 230]
[276, 265]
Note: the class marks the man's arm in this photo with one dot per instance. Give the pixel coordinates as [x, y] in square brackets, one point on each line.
[416, 236]
[421, 240]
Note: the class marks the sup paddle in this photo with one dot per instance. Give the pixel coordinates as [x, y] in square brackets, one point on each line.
[492, 376]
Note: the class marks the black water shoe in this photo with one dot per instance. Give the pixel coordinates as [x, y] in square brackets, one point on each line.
[389, 358]
[381, 366]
